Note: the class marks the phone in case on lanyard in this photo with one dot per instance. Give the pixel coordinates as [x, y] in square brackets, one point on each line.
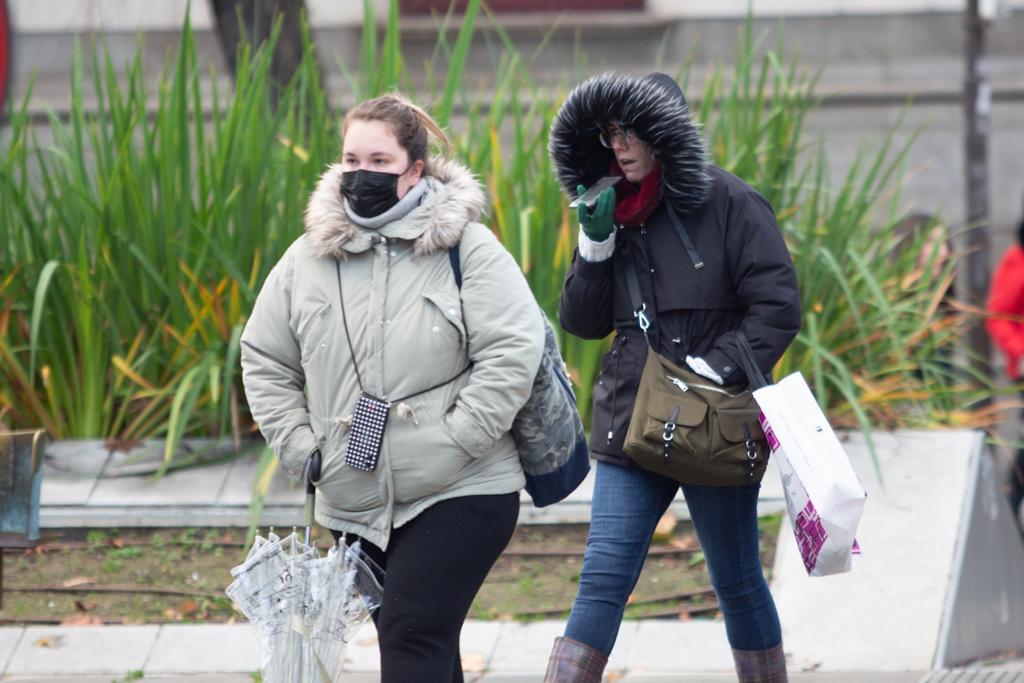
[367, 433]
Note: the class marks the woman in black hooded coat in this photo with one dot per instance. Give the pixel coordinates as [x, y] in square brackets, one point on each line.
[723, 267]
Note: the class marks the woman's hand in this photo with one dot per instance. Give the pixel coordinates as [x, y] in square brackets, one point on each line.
[597, 223]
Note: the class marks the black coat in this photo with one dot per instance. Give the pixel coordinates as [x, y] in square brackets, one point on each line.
[747, 281]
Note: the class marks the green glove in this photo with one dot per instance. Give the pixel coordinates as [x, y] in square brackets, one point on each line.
[598, 222]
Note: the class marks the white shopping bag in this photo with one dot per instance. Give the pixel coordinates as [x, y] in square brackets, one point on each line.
[823, 494]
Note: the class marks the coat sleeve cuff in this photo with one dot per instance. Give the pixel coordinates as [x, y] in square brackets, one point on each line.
[302, 445]
[725, 367]
[467, 433]
[591, 271]
[596, 252]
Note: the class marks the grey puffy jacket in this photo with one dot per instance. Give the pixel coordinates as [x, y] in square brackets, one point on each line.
[410, 330]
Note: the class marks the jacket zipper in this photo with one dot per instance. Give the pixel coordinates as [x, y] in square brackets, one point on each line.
[384, 311]
[617, 354]
[684, 386]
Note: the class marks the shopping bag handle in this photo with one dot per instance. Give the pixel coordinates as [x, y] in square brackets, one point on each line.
[757, 379]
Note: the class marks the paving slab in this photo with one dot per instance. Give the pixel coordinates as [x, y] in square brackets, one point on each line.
[691, 646]
[147, 456]
[238, 485]
[575, 509]
[194, 486]
[68, 651]
[897, 589]
[524, 648]
[195, 648]
[619, 658]
[101, 491]
[172, 678]
[851, 677]
[477, 644]
[10, 636]
[363, 654]
[70, 471]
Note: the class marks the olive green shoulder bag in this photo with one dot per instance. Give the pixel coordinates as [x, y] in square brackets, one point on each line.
[688, 428]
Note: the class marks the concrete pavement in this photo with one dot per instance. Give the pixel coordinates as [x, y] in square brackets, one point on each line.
[647, 651]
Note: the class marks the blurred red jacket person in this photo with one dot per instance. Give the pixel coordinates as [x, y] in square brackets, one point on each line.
[1006, 306]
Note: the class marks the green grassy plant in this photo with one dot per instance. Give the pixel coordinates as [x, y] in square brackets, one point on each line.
[134, 243]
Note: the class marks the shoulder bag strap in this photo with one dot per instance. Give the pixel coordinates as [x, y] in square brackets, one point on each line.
[755, 377]
[635, 297]
[684, 237]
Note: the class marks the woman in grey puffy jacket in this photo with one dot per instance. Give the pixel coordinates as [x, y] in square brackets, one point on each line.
[362, 326]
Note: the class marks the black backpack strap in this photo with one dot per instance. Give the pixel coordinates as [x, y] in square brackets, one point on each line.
[456, 261]
[684, 237]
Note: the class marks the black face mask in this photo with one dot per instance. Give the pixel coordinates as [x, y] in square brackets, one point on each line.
[370, 193]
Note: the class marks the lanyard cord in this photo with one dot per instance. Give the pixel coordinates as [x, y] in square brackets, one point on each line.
[344, 320]
[355, 364]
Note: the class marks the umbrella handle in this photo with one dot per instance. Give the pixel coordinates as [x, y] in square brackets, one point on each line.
[312, 475]
[308, 511]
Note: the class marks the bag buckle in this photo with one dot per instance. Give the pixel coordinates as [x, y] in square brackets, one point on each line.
[641, 318]
[670, 427]
[751, 449]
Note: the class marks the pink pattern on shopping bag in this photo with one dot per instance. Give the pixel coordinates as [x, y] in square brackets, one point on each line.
[810, 535]
[773, 441]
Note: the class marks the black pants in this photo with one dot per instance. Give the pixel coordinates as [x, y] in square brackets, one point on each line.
[1016, 493]
[434, 566]
[1015, 481]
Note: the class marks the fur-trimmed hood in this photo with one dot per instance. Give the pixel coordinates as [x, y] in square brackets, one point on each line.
[454, 197]
[655, 108]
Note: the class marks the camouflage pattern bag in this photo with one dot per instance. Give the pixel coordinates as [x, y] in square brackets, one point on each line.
[548, 430]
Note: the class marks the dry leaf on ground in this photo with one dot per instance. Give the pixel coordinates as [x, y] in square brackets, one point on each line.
[78, 581]
[666, 525]
[685, 542]
[123, 445]
[82, 607]
[474, 662]
[188, 607]
[81, 620]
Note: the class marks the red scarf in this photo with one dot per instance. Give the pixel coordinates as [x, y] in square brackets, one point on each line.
[635, 203]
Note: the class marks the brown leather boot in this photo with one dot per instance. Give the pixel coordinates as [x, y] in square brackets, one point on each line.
[573, 662]
[761, 666]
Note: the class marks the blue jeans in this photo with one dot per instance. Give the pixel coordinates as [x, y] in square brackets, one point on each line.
[627, 506]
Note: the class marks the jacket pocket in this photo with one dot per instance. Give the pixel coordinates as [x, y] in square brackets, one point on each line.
[741, 438]
[342, 486]
[678, 424]
[465, 433]
[447, 320]
[426, 459]
[311, 330]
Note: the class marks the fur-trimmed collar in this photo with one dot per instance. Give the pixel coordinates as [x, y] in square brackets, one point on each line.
[655, 108]
[454, 197]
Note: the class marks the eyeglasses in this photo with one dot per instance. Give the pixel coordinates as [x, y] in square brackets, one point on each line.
[608, 135]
